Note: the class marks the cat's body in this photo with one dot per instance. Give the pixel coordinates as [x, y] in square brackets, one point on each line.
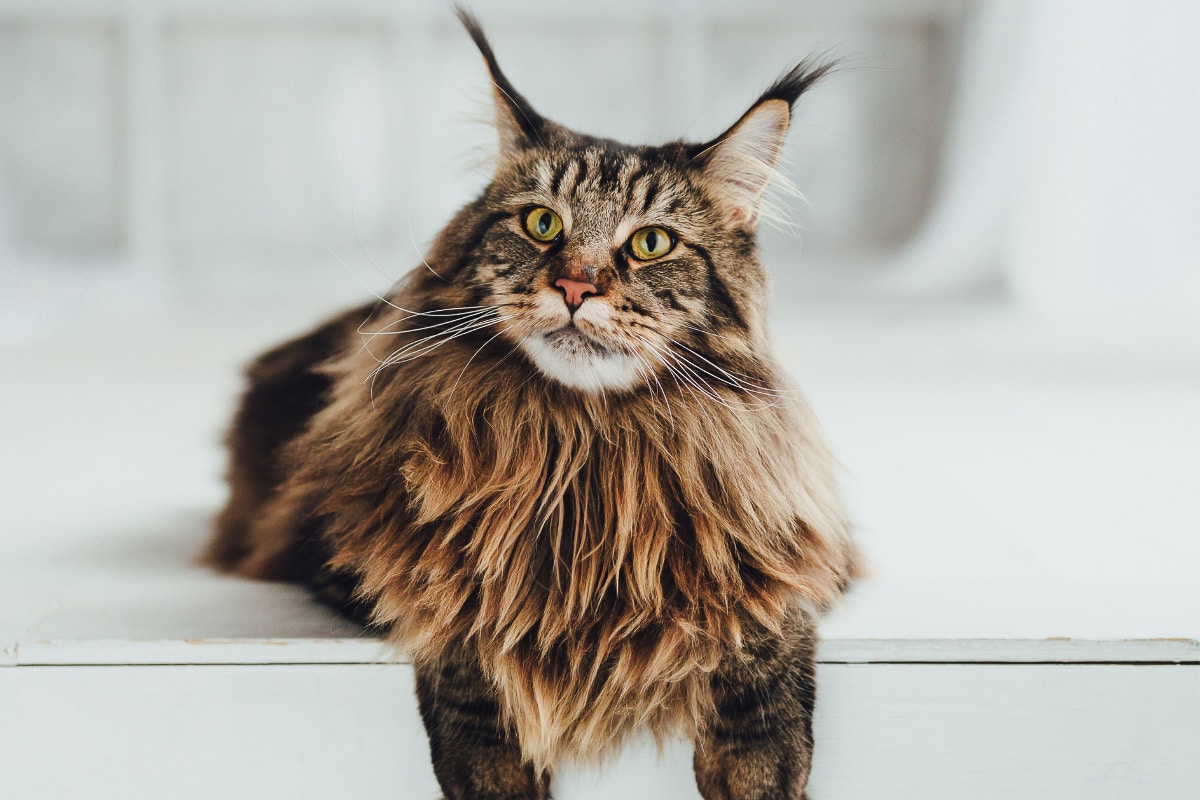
[560, 469]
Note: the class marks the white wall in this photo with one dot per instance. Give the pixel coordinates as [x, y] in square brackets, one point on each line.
[1039, 151]
[185, 141]
[1071, 177]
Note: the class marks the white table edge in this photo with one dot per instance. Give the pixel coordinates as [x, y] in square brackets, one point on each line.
[183, 652]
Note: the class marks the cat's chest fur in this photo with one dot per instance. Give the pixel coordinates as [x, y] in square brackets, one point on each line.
[600, 555]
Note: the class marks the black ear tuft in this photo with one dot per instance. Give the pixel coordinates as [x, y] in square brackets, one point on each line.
[742, 161]
[519, 124]
[798, 80]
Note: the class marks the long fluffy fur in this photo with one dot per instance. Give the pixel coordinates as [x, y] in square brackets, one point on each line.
[600, 555]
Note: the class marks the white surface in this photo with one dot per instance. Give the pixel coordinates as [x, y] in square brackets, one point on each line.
[998, 495]
[909, 732]
[1028, 516]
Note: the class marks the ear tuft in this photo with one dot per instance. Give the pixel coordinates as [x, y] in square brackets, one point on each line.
[518, 124]
[797, 80]
[742, 161]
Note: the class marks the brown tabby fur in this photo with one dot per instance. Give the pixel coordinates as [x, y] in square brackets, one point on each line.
[589, 561]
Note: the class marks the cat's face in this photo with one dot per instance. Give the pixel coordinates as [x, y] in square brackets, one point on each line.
[606, 260]
[613, 267]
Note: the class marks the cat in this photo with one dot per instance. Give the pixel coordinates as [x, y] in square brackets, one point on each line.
[558, 466]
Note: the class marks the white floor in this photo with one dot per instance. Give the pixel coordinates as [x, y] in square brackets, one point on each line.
[1018, 500]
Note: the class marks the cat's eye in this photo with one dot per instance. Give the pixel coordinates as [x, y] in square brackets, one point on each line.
[650, 243]
[543, 224]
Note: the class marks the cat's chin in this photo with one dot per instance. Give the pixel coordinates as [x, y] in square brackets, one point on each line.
[576, 360]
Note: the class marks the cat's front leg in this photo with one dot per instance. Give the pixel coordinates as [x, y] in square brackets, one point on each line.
[759, 744]
[474, 757]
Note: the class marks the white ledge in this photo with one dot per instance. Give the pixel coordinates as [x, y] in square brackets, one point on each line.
[1010, 513]
[200, 652]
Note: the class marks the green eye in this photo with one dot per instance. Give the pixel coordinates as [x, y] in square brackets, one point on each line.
[543, 224]
[650, 243]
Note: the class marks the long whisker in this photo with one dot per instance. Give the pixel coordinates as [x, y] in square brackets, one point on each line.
[686, 383]
[705, 331]
[346, 267]
[413, 239]
[417, 344]
[369, 337]
[420, 347]
[446, 336]
[699, 374]
[453, 313]
[726, 378]
[652, 374]
[427, 344]
[682, 380]
[694, 376]
[472, 358]
[448, 321]
[434, 313]
[733, 380]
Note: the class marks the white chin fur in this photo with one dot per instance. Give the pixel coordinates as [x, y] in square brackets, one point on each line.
[581, 366]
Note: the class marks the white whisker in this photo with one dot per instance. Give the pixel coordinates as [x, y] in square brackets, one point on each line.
[681, 380]
[472, 358]
[736, 381]
[463, 322]
[413, 239]
[652, 374]
[449, 321]
[683, 369]
[419, 348]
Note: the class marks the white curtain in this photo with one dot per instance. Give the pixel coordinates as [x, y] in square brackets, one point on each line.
[1072, 173]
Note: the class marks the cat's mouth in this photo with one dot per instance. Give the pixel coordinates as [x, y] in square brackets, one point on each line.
[577, 359]
[571, 339]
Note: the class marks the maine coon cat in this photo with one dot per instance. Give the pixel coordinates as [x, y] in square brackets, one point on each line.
[559, 466]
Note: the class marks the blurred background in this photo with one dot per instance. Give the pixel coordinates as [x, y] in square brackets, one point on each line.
[1039, 154]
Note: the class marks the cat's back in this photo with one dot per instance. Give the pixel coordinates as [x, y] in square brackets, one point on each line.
[286, 387]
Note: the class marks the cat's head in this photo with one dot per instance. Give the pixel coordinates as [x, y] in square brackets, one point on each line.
[611, 266]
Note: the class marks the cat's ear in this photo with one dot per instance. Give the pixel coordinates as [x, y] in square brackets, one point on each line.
[742, 161]
[517, 123]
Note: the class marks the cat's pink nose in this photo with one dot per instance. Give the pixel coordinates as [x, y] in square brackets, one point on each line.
[575, 291]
